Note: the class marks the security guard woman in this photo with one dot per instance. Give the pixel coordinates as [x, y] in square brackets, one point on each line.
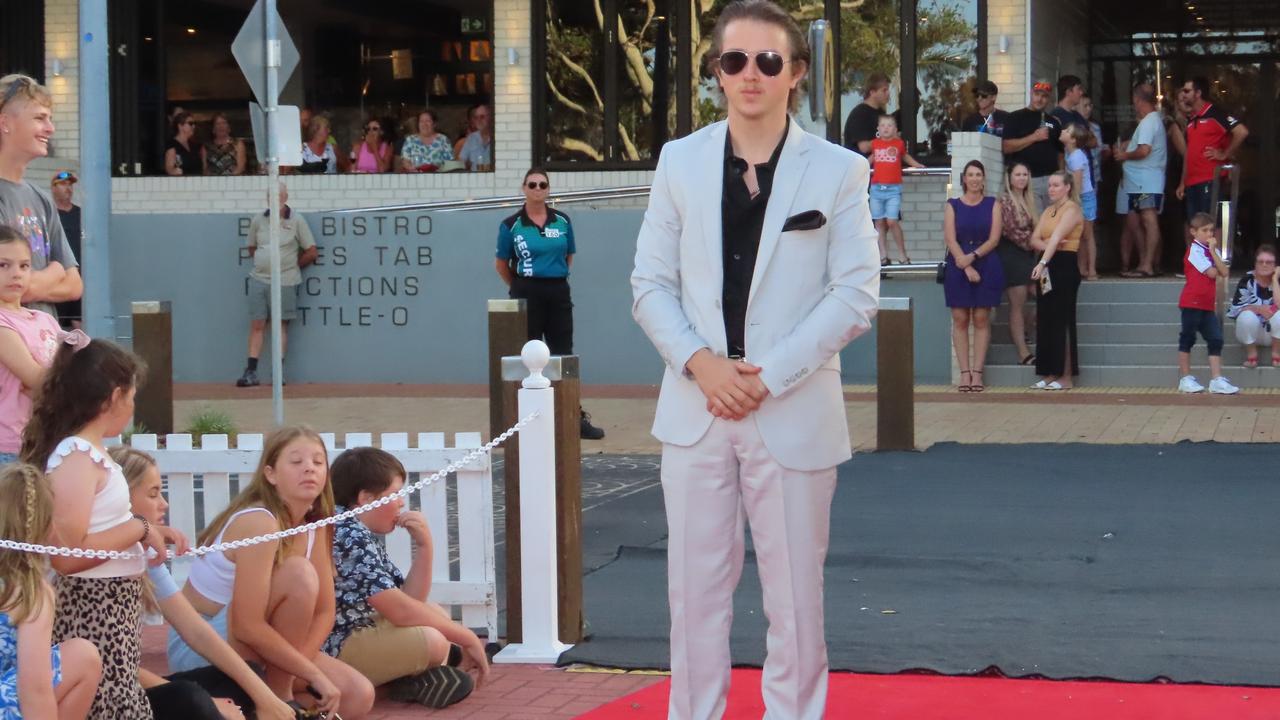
[535, 251]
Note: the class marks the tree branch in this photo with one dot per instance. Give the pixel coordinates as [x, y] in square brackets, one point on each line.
[559, 96]
[576, 145]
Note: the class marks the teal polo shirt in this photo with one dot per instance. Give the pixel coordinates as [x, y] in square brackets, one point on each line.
[539, 252]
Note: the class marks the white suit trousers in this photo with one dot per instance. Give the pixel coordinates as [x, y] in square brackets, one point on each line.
[707, 488]
[1251, 329]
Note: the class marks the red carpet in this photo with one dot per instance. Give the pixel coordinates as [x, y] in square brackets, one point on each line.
[934, 697]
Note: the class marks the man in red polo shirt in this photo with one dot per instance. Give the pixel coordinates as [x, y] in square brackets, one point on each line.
[1213, 137]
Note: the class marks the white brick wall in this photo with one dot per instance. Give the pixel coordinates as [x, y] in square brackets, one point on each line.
[61, 42]
[922, 211]
[1008, 70]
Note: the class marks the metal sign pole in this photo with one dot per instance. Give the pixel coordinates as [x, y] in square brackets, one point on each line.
[273, 193]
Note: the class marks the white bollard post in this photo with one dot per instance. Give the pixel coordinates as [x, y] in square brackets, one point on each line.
[541, 638]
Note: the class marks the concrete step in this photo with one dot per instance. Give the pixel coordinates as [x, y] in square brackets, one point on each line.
[1130, 355]
[1113, 333]
[1133, 376]
[1126, 291]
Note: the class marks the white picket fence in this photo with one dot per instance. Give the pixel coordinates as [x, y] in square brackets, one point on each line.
[199, 483]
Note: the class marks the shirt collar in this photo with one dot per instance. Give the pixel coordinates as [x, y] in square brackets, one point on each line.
[1203, 111]
[773, 159]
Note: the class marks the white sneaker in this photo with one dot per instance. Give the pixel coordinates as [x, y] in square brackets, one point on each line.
[1188, 384]
[1222, 386]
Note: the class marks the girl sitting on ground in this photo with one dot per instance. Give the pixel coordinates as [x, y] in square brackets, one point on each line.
[87, 395]
[53, 682]
[273, 601]
[385, 626]
[28, 339]
[189, 695]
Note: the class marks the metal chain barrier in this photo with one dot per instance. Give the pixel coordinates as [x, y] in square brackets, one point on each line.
[281, 534]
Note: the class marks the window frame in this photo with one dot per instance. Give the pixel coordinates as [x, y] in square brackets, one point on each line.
[907, 17]
[538, 71]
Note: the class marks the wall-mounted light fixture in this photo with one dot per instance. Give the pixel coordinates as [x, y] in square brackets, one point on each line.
[513, 56]
[56, 67]
[1003, 45]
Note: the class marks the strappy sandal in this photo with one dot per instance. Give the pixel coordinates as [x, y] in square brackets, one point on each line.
[965, 388]
[980, 387]
[1253, 361]
[885, 262]
[1029, 359]
[1275, 360]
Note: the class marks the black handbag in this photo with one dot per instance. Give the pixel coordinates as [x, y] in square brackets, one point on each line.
[942, 272]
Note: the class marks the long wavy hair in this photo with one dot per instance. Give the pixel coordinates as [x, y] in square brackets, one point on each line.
[26, 515]
[261, 493]
[1024, 201]
[77, 388]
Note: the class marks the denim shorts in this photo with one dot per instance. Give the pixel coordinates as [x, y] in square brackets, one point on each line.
[886, 202]
[1197, 198]
[6, 458]
[1146, 201]
[181, 657]
[1089, 205]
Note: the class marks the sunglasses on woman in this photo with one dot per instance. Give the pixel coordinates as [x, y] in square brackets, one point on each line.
[373, 128]
[769, 62]
[537, 185]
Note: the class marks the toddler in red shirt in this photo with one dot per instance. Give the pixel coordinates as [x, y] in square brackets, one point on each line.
[888, 152]
[1203, 266]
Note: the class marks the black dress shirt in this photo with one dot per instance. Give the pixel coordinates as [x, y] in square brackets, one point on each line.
[742, 219]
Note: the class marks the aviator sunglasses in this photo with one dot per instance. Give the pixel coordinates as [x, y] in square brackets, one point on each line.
[769, 62]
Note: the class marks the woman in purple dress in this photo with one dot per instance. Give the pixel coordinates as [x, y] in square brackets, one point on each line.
[974, 279]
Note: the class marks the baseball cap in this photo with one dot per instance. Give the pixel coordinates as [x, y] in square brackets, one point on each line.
[1042, 86]
[65, 176]
[986, 87]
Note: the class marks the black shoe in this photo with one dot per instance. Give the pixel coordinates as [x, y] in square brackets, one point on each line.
[587, 431]
[248, 379]
[438, 687]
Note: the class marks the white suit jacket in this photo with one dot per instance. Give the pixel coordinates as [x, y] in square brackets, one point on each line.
[812, 291]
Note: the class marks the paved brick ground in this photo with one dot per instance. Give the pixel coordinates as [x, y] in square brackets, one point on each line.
[514, 692]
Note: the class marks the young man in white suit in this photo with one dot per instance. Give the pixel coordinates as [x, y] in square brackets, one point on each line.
[756, 263]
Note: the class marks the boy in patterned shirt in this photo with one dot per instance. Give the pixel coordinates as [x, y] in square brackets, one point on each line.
[384, 626]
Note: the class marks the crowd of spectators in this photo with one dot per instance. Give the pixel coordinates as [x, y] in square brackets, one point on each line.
[417, 144]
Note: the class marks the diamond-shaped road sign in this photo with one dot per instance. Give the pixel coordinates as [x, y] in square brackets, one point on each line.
[250, 51]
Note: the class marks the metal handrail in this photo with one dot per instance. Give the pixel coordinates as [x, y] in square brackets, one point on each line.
[1224, 211]
[928, 171]
[571, 196]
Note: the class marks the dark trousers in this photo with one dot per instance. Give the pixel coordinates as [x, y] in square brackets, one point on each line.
[215, 683]
[1204, 322]
[550, 311]
[182, 700]
[1056, 317]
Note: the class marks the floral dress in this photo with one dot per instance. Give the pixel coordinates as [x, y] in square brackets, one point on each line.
[9, 709]
[418, 153]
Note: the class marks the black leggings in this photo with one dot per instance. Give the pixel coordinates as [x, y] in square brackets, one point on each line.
[550, 311]
[182, 700]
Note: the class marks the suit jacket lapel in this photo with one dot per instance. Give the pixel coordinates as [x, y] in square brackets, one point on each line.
[786, 183]
[710, 169]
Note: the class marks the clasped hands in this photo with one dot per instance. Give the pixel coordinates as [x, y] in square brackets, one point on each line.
[733, 388]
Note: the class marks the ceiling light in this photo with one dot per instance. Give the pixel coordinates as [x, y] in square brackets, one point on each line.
[191, 31]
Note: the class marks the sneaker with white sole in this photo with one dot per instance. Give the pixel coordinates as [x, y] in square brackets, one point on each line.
[1222, 386]
[1189, 384]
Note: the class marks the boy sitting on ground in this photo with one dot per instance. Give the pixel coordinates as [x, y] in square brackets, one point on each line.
[1203, 266]
[384, 626]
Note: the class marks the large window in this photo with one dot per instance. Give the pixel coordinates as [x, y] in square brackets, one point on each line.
[360, 63]
[22, 37]
[607, 80]
[601, 95]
